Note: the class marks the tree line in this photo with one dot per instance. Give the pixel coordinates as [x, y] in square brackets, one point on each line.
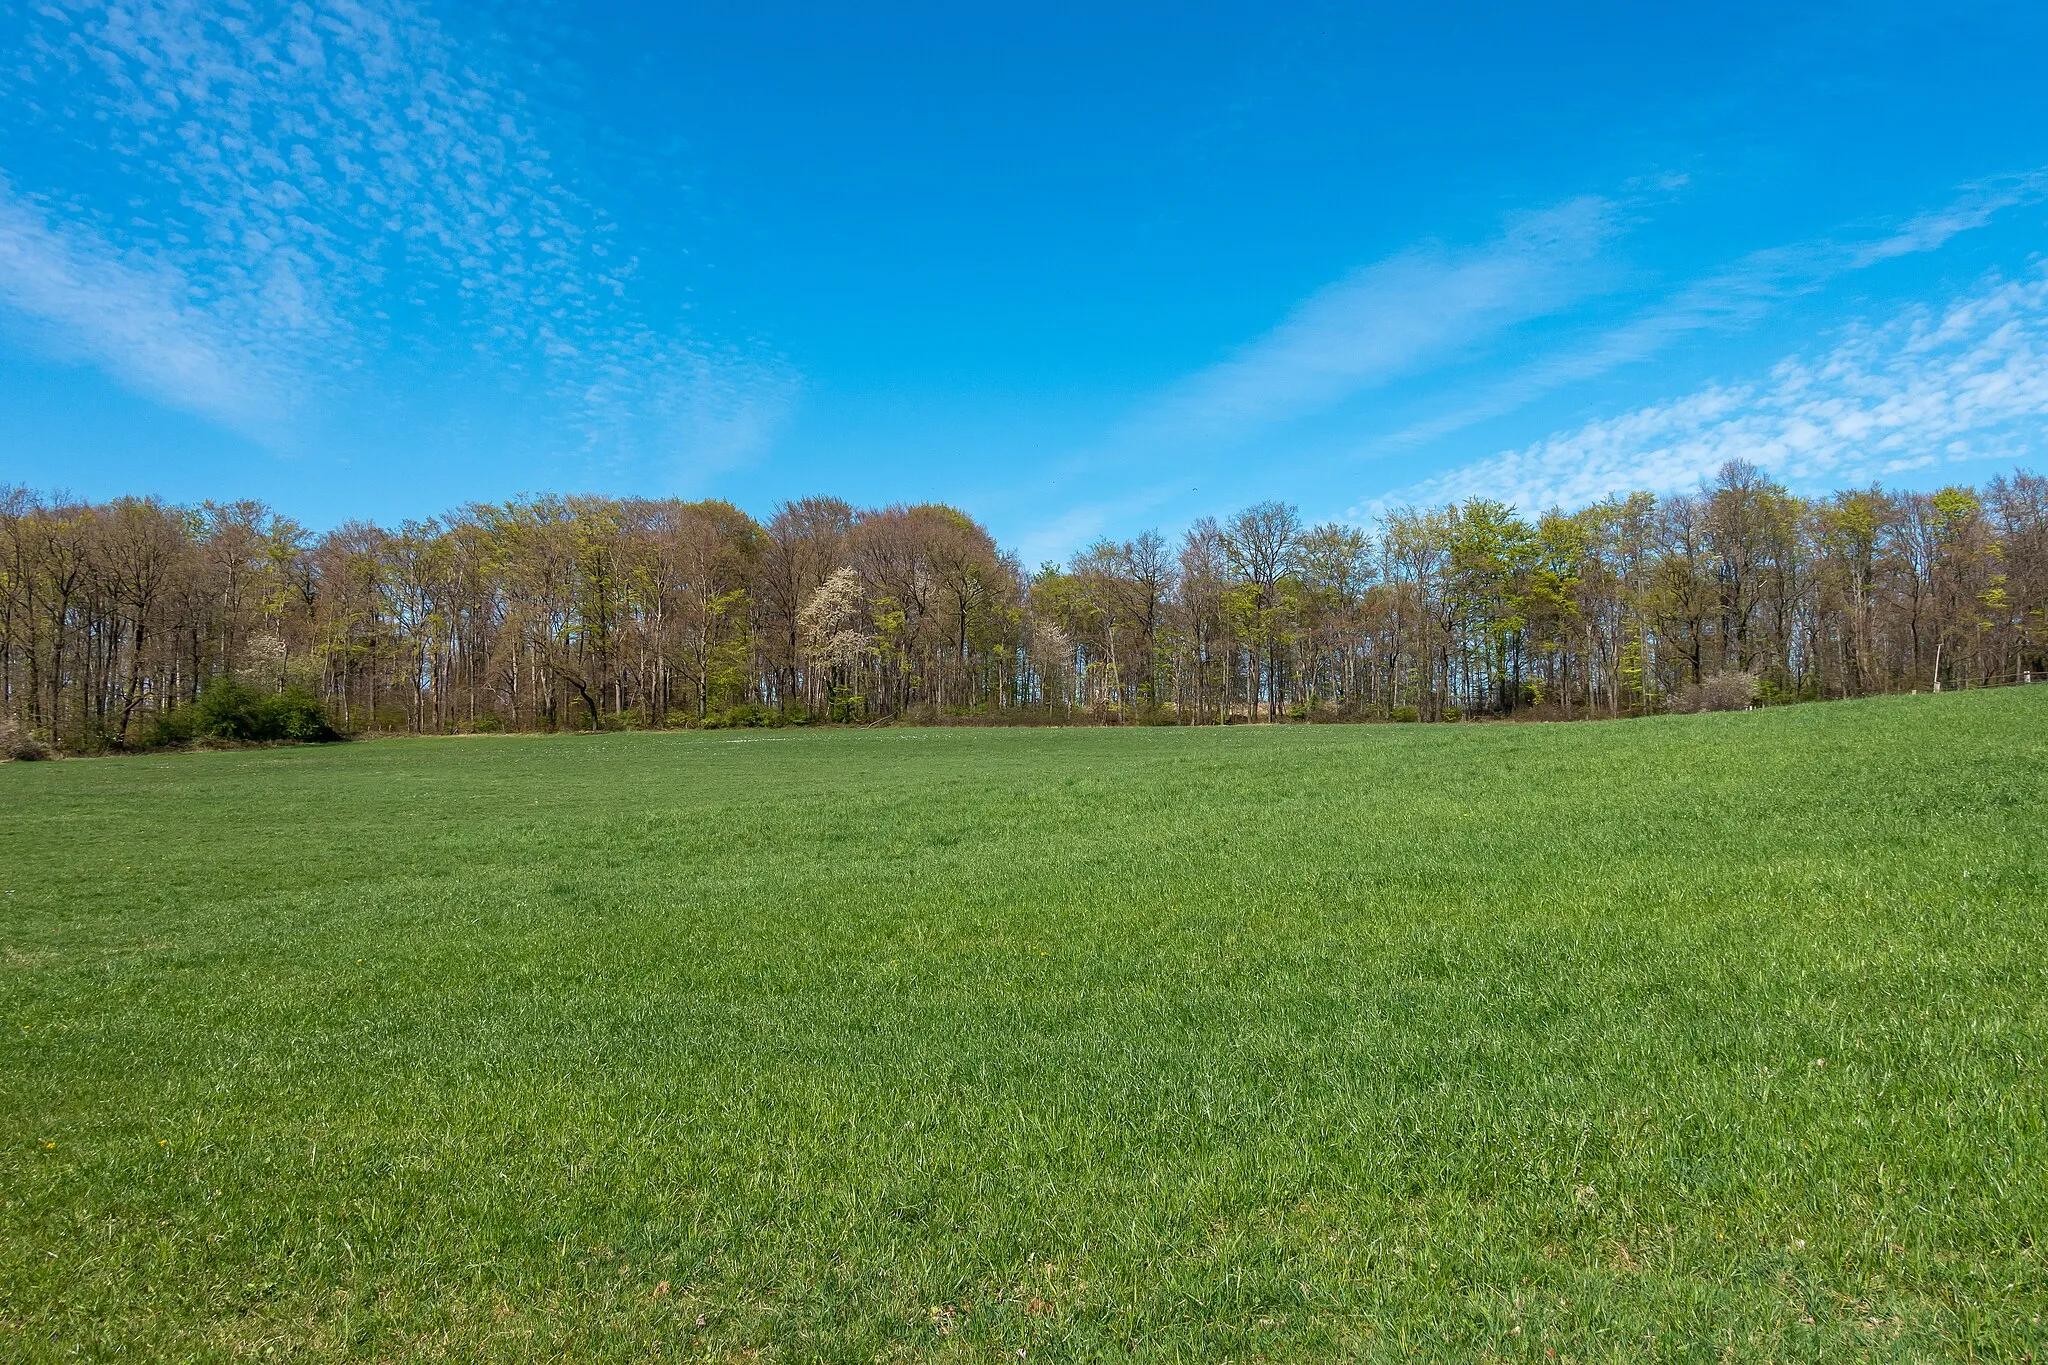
[586, 612]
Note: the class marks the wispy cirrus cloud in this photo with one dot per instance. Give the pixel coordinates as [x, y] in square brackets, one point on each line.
[1971, 209]
[1394, 317]
[1965, 382]
[1734, 297]
[136, 319]
[271, 197]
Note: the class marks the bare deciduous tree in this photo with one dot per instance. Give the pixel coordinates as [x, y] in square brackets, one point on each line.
[592, 612]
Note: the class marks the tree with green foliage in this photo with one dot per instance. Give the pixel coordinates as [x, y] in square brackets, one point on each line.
[586, 612]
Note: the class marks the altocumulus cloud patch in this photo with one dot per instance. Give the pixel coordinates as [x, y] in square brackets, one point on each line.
[259, 201]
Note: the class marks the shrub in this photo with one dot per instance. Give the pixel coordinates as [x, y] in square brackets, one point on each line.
[1732, 691]
[295, 714]
[1405, 714]
[228, 709]
[846, 705]
[170, 729]
[18, 744]
[1453, 713]
[233, 711]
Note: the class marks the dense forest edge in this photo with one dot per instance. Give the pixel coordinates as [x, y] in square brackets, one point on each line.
[134, 624]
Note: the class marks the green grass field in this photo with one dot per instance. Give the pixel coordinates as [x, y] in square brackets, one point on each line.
[1701, 1038]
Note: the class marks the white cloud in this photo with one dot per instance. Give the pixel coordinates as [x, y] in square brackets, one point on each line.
[1967, 382]
[1976, 206]
[137, 320]
[296, 190]
[1392, 318]
[1739, 295]
[1059, 537]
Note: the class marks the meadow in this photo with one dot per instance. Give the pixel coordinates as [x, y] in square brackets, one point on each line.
[1712, 1037]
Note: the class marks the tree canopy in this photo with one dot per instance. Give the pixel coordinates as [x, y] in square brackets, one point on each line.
[586, 612]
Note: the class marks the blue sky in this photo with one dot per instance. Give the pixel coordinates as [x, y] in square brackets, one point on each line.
[1078, 269]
